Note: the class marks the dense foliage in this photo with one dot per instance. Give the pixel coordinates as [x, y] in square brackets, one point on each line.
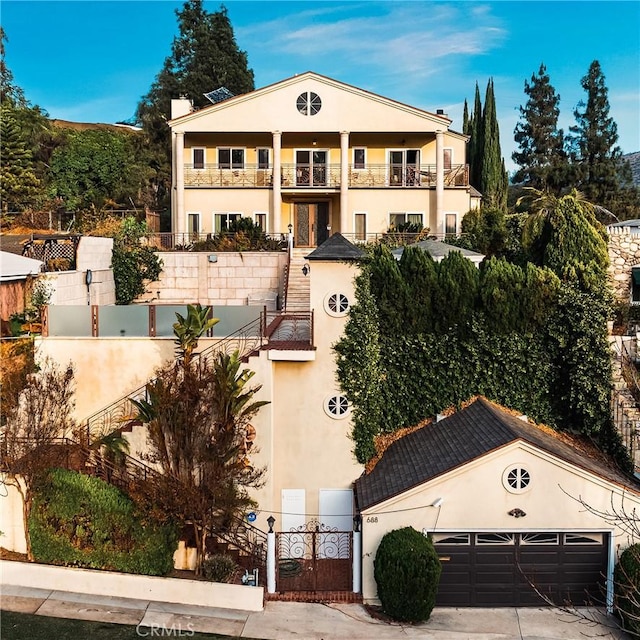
[527, 337]
[407, 571]
[626, 581]
[133, 263]
[82, 521]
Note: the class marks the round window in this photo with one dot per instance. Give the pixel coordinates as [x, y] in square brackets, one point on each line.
[309, 103]
[336, 304]
[337, 406]
[516, 478]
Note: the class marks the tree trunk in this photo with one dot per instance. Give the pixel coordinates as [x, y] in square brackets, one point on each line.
[27, 501]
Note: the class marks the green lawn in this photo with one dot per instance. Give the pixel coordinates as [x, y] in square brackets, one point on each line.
[24, 626]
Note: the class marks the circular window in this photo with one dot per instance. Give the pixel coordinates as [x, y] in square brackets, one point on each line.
[516, 479]
[337, 406]
[309, 103]
[336, 304]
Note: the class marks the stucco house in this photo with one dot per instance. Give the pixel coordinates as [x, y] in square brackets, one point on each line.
[510, 506]
[319, 155]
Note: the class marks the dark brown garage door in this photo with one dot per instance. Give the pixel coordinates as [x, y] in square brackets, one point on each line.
[498, 569]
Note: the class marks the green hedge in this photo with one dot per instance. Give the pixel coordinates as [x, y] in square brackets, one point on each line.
[407, 571]
[626, 580]
[81, 521]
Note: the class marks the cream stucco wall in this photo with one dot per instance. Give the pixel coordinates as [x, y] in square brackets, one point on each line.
[474, 499]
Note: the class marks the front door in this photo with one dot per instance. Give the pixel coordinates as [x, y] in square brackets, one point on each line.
[311, 223]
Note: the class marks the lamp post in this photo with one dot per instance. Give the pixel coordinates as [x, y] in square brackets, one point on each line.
[271, 556]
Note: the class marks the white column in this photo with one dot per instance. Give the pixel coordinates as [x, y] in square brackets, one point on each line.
[271, 561]
[276, 224]
[344, 182]
[178, 224]
[357, 557]
[440, 229]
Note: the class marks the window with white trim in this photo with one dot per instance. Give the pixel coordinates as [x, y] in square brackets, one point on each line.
[337, 406]
[193, 222]
[539, 538]
[336, 304]
[451, 224]
[263, 156]
[198, 157]
[360, 224]
[516, 479]
[452, 538]
[447, 158]
[359, 157]
[222, 220]
[309, 103]
[400, 219]
[260, 218]
[495, 538]
[230, 158]
[583, 538]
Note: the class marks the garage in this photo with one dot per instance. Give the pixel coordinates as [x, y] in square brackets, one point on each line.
[499, 569]
[520, 515]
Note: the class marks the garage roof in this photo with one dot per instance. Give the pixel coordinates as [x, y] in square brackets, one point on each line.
[479, 428]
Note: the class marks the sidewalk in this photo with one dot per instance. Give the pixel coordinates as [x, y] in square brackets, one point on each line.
[303, 621]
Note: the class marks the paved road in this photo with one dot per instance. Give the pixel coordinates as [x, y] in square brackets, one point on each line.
[303, 621]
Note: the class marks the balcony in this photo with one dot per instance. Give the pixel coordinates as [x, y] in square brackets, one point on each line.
[325, 176]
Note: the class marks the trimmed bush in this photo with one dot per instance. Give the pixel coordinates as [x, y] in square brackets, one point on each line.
[407, 571]
[219, 568]
[626, 580]
[81, 521]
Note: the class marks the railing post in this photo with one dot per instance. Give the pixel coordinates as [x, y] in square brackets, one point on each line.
[271, 556]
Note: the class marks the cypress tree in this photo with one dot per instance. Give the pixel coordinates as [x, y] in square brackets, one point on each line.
[493, 177]
[465, 118]
[476, 145]
[541, 156]
[419, 272]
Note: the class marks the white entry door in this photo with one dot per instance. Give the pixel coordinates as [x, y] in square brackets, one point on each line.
[293, 519]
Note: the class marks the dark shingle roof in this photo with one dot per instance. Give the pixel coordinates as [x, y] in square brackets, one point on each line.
[337, 247]
[468, 434]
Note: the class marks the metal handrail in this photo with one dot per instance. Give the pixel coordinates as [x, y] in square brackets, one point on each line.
[114, 416]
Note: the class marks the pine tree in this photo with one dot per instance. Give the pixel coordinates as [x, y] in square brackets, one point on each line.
[541, 156]
[597, 159]
[19, 186]
[8, 90]
[493, 177]
[205, 56]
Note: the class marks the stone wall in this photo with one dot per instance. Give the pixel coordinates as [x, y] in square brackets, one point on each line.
[226, 278]
[624, 253]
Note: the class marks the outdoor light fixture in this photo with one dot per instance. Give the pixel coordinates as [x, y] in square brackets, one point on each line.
[271, 521]
[306, 269]
[290, 227]
[437, 502]
[357, 521]
[517, 513]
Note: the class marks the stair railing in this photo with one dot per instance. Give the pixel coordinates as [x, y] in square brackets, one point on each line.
[114, 416]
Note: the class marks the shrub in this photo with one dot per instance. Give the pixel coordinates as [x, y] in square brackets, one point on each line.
[82, 521]
[407, 571]
[219, 568]
[626, 580]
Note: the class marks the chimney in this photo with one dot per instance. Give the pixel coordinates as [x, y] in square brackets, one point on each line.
[440, 112]
[181, 107]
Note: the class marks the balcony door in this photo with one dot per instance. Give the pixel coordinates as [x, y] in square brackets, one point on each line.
[311, 223]
[404, 167]
[311, 168]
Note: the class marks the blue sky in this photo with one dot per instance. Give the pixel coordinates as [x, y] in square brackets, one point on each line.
[91, 61]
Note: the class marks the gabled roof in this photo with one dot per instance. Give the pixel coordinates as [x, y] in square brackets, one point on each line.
[15, 267]
[476, 430]
[421, 118]
[438, 250]
[337, 248]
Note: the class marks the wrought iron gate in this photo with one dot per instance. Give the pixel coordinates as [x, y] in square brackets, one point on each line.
[314, 557]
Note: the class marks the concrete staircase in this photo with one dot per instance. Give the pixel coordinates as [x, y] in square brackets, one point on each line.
[298, 289]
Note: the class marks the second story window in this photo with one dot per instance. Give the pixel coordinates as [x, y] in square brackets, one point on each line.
[230, 158]
[197, 155]
[263, 158]
[359, 158]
